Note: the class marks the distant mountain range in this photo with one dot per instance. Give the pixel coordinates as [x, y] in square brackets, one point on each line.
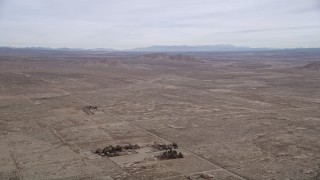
[58, 49]
[218, 47]
[182, 48]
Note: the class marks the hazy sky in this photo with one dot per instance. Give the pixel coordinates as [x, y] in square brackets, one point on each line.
[137, 23]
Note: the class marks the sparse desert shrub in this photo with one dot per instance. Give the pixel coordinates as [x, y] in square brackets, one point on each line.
[99, 151]
[87, 109]
[200, 176]
[112, 151]
[118, 148]
[175, 145]
[162, 147]
[136, 146]
[170, 154]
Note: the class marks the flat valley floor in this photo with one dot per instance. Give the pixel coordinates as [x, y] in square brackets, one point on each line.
[245, 115]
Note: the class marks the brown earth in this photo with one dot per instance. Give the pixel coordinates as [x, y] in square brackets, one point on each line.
[234, 115]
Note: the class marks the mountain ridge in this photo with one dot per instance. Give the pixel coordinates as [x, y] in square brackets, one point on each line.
[187, 48]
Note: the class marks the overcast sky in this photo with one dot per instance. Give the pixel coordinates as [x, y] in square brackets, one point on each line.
[125, 24]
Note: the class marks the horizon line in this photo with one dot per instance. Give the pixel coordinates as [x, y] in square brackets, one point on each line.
[145, 47]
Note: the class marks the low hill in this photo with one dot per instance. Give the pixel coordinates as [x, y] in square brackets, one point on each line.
[314, 66]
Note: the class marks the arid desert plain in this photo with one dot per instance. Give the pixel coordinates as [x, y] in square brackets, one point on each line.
[233, 115]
